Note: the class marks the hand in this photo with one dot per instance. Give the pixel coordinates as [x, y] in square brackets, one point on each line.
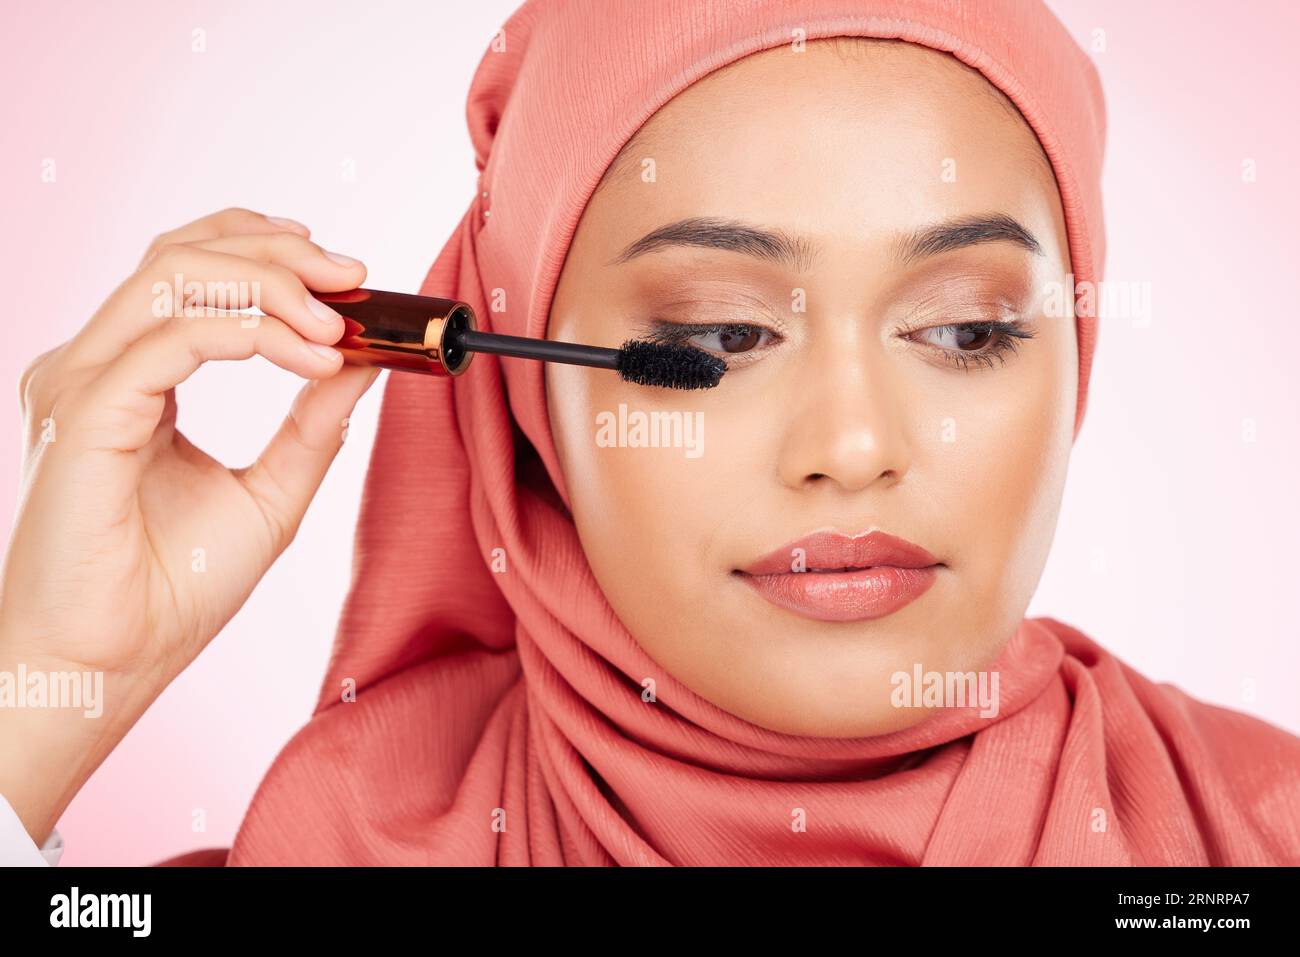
[131, 546]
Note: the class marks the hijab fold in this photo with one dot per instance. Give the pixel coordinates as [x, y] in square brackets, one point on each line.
[500, 715]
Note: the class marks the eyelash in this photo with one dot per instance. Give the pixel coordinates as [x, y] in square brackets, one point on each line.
[1007, 333]
[662, 330]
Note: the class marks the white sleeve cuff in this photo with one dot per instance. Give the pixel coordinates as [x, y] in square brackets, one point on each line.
[17, 849]
[53, 848]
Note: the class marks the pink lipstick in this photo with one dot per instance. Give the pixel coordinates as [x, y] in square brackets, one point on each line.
[829, 576]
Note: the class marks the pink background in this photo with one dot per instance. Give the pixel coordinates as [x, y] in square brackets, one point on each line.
[1175, 546]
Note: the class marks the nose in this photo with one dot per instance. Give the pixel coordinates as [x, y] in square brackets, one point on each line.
[849, 427]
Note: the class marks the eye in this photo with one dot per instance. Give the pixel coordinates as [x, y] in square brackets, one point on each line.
[965, 344]
[727, 338]
[737, 338]
[966, 338]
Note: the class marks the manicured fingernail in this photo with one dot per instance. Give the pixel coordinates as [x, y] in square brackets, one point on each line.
[284, 223]
[322, 352]
[321, 311]
[341, 259]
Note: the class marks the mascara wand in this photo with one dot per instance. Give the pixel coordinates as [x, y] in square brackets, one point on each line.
[665, 364]
[434, 336]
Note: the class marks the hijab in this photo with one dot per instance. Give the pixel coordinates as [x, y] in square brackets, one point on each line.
[497, 716]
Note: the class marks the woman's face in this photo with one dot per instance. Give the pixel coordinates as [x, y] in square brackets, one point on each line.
[897, 361]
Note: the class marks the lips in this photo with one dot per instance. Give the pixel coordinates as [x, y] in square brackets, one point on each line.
[828, 576]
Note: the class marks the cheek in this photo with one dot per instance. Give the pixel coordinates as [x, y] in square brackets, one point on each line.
[648, 517]
[997, 468]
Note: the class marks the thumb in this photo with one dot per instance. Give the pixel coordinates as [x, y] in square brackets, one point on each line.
[285, 477]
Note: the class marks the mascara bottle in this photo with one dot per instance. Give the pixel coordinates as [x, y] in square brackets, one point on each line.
[394, 330]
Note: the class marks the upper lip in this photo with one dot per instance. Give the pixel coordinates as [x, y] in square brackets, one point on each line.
[828, 550]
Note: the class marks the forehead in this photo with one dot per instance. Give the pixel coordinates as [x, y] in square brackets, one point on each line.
[850, 140]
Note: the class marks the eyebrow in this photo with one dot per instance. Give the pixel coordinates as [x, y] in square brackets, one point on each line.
[773, 245]
[798, 252]
[965, 231]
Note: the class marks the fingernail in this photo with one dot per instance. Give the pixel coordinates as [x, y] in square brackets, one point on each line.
[341, 259]
[321, 352]
[321, 311]
[284, 223]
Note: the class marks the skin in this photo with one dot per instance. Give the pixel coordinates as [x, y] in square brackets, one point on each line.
[854, 415]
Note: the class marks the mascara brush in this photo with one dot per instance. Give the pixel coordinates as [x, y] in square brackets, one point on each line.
[424, 334]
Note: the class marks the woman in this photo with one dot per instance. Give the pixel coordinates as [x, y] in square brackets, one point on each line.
[792, 634]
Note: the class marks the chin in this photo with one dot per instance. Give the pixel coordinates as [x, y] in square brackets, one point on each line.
[816, 679]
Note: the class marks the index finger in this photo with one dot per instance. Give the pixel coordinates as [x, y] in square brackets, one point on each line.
[235, 221]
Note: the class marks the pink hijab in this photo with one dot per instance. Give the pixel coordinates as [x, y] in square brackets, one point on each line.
[498, 717]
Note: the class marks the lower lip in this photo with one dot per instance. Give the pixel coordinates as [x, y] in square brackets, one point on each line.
[858, 595]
